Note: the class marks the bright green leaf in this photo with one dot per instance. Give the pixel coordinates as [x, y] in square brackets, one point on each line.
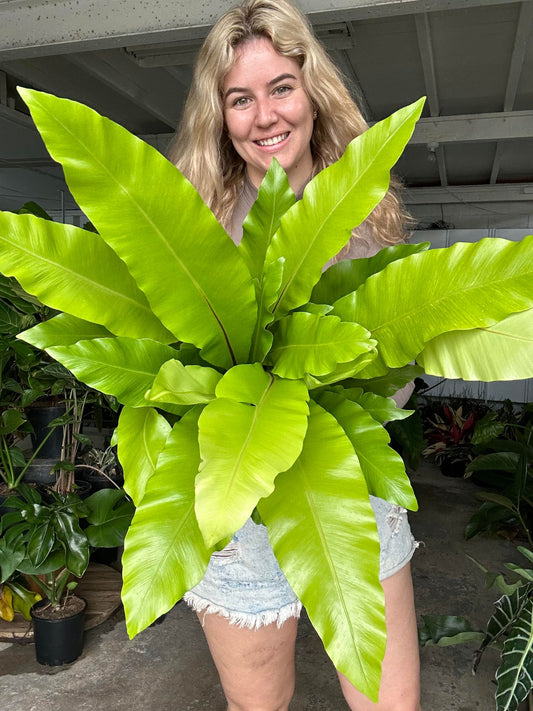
[142, 433]
[123, 367]
[503, 351]
[323, 532]
[336, 201]
[44, 256]
[157, 223]
[240, 457]
[315, 344]
[164, 553]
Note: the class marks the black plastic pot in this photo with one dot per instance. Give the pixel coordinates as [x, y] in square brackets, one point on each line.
[40, 418]
[58, 641]
[40, 472]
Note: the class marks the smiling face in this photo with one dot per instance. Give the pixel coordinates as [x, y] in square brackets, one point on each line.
[268, 112]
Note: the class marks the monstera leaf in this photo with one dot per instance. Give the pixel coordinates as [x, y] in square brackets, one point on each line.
[251, 383]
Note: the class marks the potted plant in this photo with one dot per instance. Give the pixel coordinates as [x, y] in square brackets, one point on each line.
[449, 429]
[43, 539]
[217, 351]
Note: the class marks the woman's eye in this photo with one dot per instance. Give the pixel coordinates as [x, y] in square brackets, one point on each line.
[241, 101]
[282, 89]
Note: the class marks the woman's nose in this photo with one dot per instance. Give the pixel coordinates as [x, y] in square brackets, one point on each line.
[266, 114]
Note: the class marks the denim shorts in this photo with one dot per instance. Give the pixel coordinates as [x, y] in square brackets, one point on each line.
[245, 584]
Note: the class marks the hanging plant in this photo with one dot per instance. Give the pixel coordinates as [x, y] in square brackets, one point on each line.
[249, 381]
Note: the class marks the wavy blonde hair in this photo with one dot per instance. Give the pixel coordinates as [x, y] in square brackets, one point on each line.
[202, 149]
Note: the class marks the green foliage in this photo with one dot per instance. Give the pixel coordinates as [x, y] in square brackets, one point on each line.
[262, 397]
[44, 539]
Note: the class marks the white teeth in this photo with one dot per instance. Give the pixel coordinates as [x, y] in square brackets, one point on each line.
[273, 141]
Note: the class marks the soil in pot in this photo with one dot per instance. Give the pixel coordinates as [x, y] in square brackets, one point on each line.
[58, 634]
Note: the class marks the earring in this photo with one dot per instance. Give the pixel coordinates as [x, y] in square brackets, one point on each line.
[315, 114]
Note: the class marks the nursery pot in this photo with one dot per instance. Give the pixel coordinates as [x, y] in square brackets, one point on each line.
[40, 418]
[59, 640]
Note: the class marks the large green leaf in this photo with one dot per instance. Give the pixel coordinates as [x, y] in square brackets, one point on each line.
[389, 383]
[348, 274]
[274, 198]
[142, 433]
[164, 552]
[253, 431]
[123, 367]
[323, 532]
[183, 384]
[109, 517]
[338, 199]
[381, 409]
[267, 293]
[63, 330]
[74, 270]
[157, 223]
[383, 468]
[449, 290]
[316, 344]
[514, 676]
[503, 351]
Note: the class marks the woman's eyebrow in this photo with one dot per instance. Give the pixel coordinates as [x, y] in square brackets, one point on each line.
[244, 90]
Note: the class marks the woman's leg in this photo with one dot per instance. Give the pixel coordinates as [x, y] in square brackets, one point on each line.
[256, 667]
[400, 681]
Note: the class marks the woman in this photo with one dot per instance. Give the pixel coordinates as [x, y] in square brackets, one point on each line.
[263, 88]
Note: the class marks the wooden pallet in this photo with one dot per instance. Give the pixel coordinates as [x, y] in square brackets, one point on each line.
[100, 587]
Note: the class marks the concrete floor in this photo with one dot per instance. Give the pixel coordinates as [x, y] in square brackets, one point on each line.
[168, 667]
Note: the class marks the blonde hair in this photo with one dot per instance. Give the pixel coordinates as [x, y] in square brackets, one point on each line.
[202, 149]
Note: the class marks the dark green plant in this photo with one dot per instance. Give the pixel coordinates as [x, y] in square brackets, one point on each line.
[246, 377]
[509, 629]
[503, 462]
[44, 539]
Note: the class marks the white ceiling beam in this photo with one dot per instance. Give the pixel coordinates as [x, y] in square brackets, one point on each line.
[125, 84]
[516, 65]
[523, 33]
[32, 28]
[517, 192]
[473, 128]
[425, 47]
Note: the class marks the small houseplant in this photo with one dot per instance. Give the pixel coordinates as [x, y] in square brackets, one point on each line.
[43, 540]
[217, 351]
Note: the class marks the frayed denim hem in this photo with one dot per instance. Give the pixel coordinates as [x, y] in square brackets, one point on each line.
[244, 620]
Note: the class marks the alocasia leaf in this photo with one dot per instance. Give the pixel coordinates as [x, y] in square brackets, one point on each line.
[503, 351]
[44, 256]
[315, 344]
[515, 674]
[164, 552]
[183, 384]
[448, 291]
[157, 223]
[123, 367]
[382, 467]
[323, 532]
[338, 199]
[240, 457]
[142, 434]
[348, 274]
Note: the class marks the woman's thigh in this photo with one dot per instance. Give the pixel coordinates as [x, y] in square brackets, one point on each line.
[400, 681]
[256, 667]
